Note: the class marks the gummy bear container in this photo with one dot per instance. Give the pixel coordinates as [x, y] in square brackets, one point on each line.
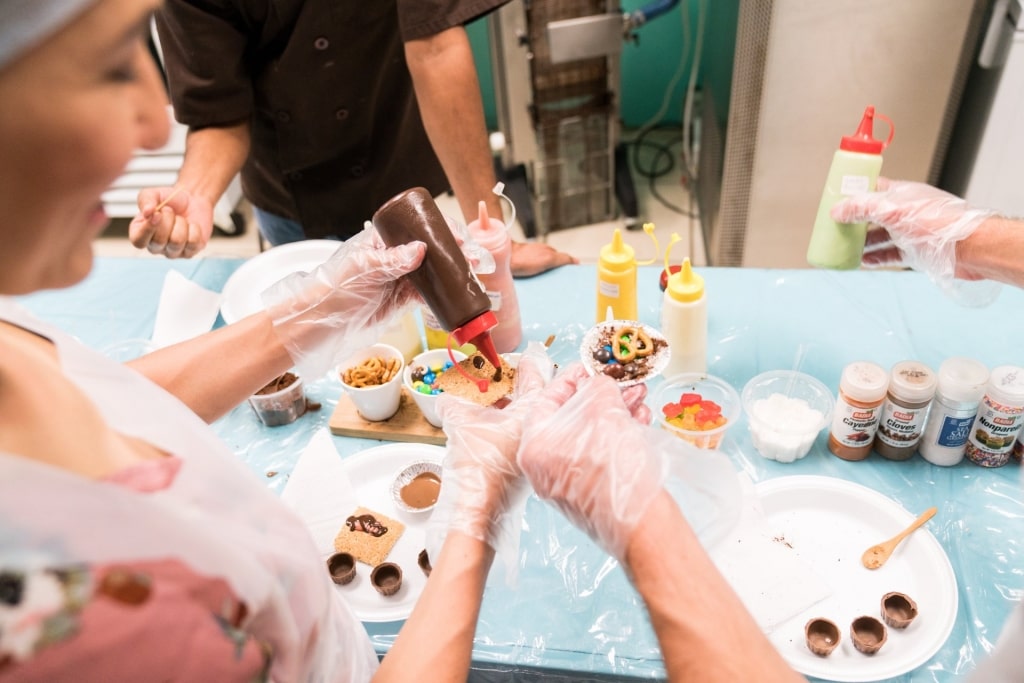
[703, 408]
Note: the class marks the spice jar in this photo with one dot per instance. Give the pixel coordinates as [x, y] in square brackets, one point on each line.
[901, 425]
[961, 384]
[862, 390]
[999, 419]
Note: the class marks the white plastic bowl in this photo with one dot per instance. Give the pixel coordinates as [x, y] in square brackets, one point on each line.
[786, 410]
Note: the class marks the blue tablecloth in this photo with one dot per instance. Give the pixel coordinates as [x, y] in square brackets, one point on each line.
[573, 611]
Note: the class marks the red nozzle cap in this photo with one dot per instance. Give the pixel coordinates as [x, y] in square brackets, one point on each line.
[864, 139]
[478, 333]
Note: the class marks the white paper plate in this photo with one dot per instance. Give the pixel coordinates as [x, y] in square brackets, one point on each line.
[830, 523]
[655, 363]
[371, 473]
[241, 293]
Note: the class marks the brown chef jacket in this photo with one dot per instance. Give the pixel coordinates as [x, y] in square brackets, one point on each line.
[336, 131]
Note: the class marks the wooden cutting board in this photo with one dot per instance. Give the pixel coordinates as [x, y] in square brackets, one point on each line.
[408, 424]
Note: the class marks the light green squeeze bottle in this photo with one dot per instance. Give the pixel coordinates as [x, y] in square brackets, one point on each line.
[855, 168]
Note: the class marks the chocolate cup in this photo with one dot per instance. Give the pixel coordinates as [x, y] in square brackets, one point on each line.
[822, 636]
[868, 634]
[342, 568]
[424, 562]
[386, 577]
[898, 610]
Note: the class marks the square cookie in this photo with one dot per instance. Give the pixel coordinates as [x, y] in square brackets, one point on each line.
[368, 535]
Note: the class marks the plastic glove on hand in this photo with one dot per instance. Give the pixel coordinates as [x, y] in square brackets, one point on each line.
[179, 228]
[918, 226]
[323, 316]
[482, 484]
[585, 450]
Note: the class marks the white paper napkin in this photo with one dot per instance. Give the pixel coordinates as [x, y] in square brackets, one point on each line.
[314, 488]
[764, 570]
[186, 310]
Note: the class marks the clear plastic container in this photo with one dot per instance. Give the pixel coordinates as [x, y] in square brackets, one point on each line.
[708, 388]
[786, 411]
[280, 406]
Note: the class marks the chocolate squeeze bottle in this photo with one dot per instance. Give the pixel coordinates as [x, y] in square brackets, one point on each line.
[444, 279]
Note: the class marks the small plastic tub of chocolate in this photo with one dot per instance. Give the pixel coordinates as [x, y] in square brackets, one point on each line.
[280, 402]
[342, 568]
[423, 561]
[898, 610]
[868, 634]
[386, 578]
[417, 487]
[822, 636]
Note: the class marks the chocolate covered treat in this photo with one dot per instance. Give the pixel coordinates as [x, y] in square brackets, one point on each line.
[423, 560]
[368, 535]
[386, 578]
[822, 636]
[868, 634]
[898, 610]
[499, 387]
[342, 568]
[627, 351]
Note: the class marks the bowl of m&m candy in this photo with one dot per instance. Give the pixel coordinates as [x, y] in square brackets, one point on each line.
[420, 380]
[696, 407]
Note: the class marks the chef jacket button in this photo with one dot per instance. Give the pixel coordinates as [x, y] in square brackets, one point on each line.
[283, 116]
[357, 170]
[341, 114]
[321, 43]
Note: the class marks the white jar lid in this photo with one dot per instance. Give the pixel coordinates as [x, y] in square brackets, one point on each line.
[864, 381]
[912, 381]
[1006, 385]
[962, 379]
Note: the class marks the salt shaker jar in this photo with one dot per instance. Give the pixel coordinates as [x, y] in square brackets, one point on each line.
[905, 409]
[1000, 418]
[961, 384]
[862, 390]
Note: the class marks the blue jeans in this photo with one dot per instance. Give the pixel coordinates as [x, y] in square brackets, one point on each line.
[279, 230]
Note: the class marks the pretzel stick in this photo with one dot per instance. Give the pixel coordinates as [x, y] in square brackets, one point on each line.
[169, 198]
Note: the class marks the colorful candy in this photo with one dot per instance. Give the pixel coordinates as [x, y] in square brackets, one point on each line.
[424, 378]
[693, 413]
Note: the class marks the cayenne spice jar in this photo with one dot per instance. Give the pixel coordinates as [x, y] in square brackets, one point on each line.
[901, 425]
[862, 390]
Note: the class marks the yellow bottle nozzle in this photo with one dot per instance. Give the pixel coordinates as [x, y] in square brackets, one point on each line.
[686, 285]
[617, 255]
[649, 229]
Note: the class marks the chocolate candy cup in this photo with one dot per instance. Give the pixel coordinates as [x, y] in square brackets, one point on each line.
[342, 568]
[386, 578]
[898, 610]
[868, 634]
[424, 562]
[822, 636]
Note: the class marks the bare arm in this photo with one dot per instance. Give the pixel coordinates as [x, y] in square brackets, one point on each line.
[214, 372]
[438, 636]
[448, 94]
[697, 617]
[213, 156]
[995, 251]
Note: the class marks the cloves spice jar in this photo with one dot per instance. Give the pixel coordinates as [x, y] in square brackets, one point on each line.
[905, 409]
[862, 390]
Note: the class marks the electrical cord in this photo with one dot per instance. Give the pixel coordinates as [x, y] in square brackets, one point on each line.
[662, 162]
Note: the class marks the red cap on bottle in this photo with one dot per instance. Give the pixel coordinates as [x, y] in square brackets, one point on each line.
[477, 332]
[864, 139]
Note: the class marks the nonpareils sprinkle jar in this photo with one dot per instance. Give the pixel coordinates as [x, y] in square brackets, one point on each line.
[1000, 418]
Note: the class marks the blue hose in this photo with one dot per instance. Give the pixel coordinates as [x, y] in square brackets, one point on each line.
[651, 10]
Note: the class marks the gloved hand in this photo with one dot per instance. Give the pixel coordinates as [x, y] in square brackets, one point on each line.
[917, 226]
[181, 229]
[482, 490]
[344, 304]
[587, 448]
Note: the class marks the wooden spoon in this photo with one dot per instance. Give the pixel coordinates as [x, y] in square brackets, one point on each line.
[875, 556]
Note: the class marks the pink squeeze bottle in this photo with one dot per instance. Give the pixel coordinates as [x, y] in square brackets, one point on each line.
[492, 235]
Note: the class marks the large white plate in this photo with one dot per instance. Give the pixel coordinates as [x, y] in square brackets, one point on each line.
[830, 523]
[241, 293]
[371, 473]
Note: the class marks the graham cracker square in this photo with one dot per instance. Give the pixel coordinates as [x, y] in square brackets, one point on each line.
[368, 536]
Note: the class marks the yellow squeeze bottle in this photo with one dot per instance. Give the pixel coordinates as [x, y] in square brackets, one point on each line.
[616, 277]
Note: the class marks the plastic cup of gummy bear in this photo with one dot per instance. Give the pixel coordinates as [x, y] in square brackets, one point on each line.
[696, 407]
[420, 374]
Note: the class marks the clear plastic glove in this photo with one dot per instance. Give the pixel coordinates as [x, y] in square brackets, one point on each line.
[180, 229]
[483, 493]
[587, 448]
[344, 304]
[917, 226]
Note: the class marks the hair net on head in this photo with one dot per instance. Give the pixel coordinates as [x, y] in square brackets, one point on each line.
[23, 23]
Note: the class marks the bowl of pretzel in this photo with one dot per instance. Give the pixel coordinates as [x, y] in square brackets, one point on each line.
[628, 351]
[372, 378]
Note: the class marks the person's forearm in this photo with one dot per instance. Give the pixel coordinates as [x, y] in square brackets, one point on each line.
[213, 157]
[436, 642]
[448, 94]
[216, 371]
[994, 251]
[698, 618]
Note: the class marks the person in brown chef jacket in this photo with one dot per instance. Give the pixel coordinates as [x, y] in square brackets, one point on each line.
[328, 109]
